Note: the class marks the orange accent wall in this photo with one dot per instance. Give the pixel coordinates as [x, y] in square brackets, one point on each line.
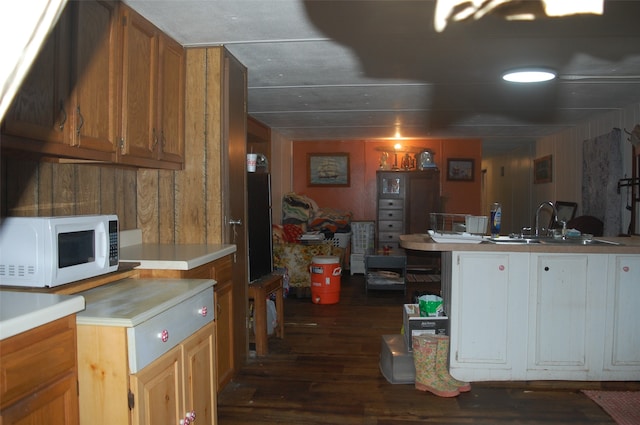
[364, 161]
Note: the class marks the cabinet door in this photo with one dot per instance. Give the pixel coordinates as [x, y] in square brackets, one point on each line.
[95, 70]
[488, 298]
[39, 110]
[224, 332]
[422, 198]
[56, 404]
[158, 391]
[622, 333]
[565, 323]
[140, 135]
[391, 184]
[171, 86]
[199, 372]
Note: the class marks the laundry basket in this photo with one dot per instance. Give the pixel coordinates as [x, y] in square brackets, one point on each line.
[341, 240]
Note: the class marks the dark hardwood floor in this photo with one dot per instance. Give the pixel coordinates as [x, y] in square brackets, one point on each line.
[326, 371]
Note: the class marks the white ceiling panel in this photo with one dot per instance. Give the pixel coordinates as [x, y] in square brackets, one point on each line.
[354, 69]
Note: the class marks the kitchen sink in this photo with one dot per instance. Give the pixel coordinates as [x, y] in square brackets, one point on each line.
[525, 240]
[514, 240]
[576, 241]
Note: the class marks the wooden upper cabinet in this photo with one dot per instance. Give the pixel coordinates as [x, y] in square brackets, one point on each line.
[108, 86]
[67, 104]
[152, 93]
[95, 72]
[171, 100]
[139, 65]
[39, 109]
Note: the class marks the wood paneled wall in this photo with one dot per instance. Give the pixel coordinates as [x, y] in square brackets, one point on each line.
[31, 188]
[520, 196]
[169, 206]
[186, 206]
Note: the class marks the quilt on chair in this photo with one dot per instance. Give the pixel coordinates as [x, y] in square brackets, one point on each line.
[296, 258]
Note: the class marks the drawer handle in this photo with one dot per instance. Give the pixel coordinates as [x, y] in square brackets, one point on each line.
[188, 418]
[164, 335]
[203, 311]
[625, 269]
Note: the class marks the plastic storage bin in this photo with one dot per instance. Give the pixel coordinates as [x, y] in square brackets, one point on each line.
[396, 362]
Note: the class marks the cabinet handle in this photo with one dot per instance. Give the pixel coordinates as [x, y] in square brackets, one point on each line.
[164, 335]
[203, 311]
[64, 116]
[188, 418]
[81, 121]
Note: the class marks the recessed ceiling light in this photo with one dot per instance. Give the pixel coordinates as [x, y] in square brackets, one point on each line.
[529, 75]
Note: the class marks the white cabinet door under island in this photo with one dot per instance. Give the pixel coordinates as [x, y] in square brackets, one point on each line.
[543, 316]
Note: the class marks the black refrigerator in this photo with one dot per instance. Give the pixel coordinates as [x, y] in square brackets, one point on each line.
[259, 225]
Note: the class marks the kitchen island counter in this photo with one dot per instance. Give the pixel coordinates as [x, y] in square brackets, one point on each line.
[540, 311]
[423, 242]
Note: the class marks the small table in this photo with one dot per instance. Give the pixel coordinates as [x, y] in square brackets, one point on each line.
[260, 290]
[385, 269]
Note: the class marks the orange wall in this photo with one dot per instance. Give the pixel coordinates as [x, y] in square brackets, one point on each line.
[364, 161]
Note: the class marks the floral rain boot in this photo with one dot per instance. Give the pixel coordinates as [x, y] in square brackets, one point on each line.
[424, 358]
[442, 363]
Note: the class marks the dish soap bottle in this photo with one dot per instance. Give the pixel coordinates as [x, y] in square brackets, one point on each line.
[496, 218]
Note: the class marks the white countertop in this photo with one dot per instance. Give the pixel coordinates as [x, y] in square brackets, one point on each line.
[129, 302]
[174, 256]
[23, 311]
[423, 242]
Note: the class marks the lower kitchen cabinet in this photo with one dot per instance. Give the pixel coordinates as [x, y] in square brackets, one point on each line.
[150, 362]
[621, 318]
[565, 325]
[178, 385]
[224, 333]
[486, 318]
[39, 376]
[222, 271]
[544, 316]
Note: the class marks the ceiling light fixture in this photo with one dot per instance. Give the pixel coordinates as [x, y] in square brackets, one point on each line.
[529, 75]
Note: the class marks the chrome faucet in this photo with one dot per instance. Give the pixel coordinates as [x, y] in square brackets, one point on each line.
[540, 207]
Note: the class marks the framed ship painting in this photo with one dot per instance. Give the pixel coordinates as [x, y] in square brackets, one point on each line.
[328, 169]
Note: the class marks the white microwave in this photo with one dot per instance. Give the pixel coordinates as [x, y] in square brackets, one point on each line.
[52, 251]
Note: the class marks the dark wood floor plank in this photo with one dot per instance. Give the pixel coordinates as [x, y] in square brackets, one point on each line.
[326, 371]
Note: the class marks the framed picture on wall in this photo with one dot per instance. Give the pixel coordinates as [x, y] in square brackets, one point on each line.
[460, 169]
[328, 169]
[542, 170]
[566, 210]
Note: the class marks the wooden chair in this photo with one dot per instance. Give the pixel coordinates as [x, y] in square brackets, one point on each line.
[587, 224]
